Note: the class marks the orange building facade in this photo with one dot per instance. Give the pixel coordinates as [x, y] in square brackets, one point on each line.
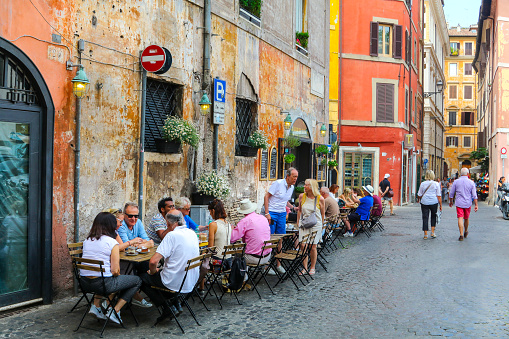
[379, 92]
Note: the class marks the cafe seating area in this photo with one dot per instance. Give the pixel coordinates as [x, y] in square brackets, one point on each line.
[286, 249]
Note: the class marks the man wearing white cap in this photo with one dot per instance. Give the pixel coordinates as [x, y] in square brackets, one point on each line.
[362, 212]
[253, 229]
[384, 188]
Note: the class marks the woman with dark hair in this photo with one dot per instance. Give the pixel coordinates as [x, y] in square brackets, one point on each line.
[219, 230]
[333, 189]
[101, 245]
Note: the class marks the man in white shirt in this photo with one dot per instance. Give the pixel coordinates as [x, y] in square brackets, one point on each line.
[177, 247]
[276, 200]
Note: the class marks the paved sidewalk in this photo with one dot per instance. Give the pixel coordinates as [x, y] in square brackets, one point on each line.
[392, 285]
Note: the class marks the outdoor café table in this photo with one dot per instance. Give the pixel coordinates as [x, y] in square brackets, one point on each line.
[137, 258]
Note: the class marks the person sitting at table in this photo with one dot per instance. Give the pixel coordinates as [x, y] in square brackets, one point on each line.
[183, 204]
[253, 229]
[158, 228]
[132, 228]
[362, 211]
[331, 205]
[333, 189]
[101, 245]
[117, 213]
[347, 198]
[177, 247]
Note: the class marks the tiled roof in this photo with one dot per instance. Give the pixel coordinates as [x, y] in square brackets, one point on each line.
[462, 32]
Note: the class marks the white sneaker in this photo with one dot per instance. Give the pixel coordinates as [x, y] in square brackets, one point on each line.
[113, 317]
[496, 206]
[96, 312]
[348, 234]
[271, 272]
[142, 303]
[281, 269]
[105, 305]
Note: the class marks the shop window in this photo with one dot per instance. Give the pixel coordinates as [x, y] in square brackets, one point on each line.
[452, 118]
[384, 102]
[357, 170]
[245, 123]
[163, 99]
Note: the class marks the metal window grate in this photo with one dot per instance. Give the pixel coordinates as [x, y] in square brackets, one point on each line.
[245, 123]
[163, 100]
[14, 84]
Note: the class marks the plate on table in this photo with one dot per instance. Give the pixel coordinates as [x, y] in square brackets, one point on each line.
[131, 254]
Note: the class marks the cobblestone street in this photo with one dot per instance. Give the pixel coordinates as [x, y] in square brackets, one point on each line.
[394, 285]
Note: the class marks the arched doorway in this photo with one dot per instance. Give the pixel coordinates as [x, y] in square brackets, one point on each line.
[466, 163]
[26, 155]
[303, 154]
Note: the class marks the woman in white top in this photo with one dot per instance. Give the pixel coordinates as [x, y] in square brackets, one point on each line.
[101, 245]
[219, 231]
[430, 197]
[307, 206]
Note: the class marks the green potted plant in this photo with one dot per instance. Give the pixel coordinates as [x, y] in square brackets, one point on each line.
[332, 163]
[176, 131]
[255, 141]
[289, 158]
[291, 141]
[210, 185]
[321, 150]
[301, 39]
[334, 147]
[323, 161]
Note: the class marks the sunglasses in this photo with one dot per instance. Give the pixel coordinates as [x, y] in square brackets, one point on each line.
[133, 215]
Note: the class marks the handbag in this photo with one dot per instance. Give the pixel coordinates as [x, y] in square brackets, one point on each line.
[420, 197]
[390, 193]
[310, 220]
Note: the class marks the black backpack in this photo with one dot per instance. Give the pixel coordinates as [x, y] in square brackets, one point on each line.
[237, 273]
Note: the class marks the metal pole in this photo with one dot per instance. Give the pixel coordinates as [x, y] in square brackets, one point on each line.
[206, 72]
[81, 48]
[503, 169]
[142, 141]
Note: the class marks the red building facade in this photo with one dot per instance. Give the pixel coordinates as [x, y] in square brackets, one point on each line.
[380, 94]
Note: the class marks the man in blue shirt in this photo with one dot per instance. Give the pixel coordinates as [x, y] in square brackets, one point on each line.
[183, 204]
[132, 230]
[362, 211]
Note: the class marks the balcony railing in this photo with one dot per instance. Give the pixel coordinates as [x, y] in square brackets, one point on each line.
[250, 17]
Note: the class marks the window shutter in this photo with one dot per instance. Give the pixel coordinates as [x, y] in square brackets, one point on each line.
[472, 122]
[407, 45]
[463, 117]
[380, 102]
[373, 47]
[389, 103]
[398, 41]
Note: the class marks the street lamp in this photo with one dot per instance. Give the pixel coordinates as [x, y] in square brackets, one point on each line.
[288, 122]
[80, 83]
[204, 104]
[323, 130]
[440, 87]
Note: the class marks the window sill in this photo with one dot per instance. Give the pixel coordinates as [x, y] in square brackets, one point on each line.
[250, 17]
[163, 157]
[301, 50]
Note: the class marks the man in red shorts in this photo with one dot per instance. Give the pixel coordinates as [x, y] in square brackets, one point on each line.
[465, 192]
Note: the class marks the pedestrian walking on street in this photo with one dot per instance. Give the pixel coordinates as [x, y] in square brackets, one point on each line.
[386, 191]
[445, 185]
[464, 190]
[430, 198]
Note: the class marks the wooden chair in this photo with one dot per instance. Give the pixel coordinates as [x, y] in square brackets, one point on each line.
[96, 266]
[76, 251]
[182, 297]
[257, 269]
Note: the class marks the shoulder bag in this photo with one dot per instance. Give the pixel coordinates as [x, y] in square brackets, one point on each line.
[420, 198]
[310, 220]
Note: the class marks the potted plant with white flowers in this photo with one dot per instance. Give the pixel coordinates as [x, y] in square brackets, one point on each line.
[177, 131]
[210, 185]
[255, 141]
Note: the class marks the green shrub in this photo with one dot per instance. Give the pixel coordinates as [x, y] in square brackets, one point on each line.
[292, 141]
[301, 38]
[289, 158]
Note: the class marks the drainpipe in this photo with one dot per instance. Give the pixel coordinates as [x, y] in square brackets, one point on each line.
[340, 72]
[206, 71]
[142, 142]
[81, 48]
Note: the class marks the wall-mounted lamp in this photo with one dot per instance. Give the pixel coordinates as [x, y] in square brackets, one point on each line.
[288, 122]
[440, 87]
[323, 130]
[205, 104]
[80, 83]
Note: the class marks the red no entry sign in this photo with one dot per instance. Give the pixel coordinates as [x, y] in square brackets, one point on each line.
[156, 59]
[503, 150]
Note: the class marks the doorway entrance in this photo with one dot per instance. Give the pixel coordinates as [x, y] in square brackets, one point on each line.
[26, 155]
[303, 162]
